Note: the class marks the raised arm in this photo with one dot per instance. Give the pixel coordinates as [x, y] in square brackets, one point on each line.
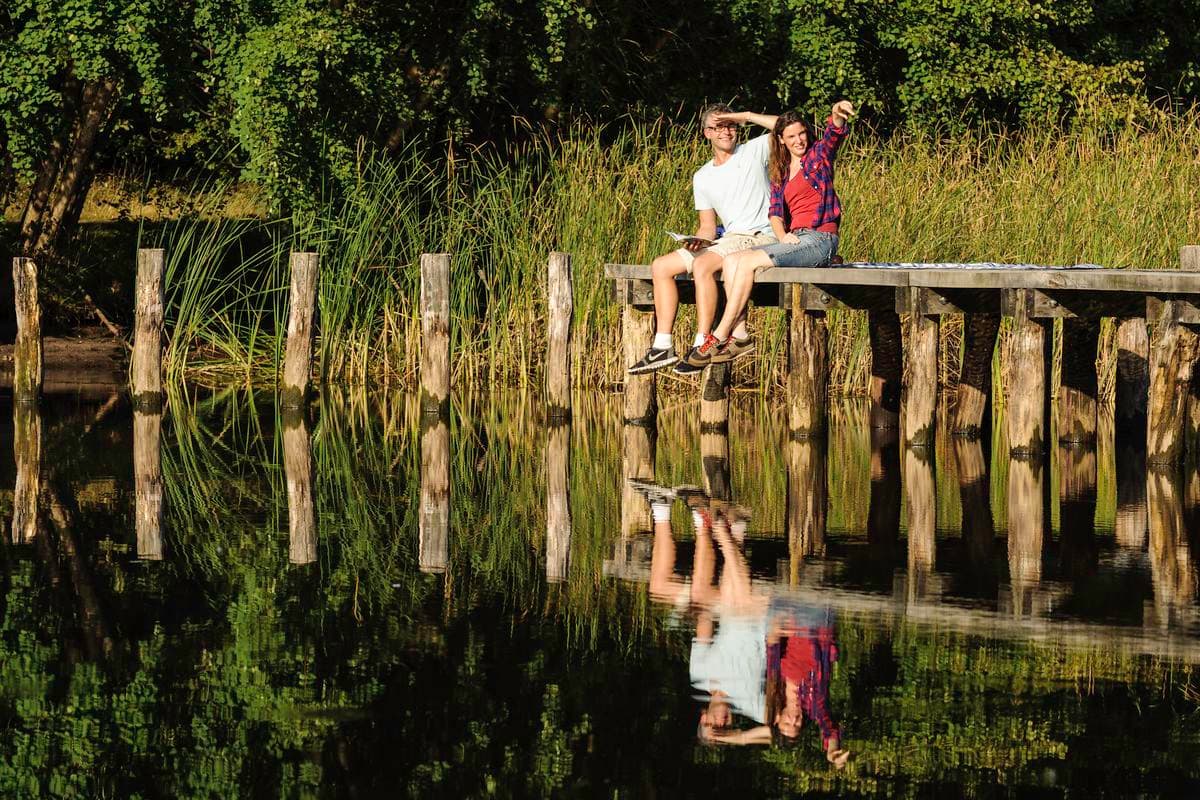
[743, 117]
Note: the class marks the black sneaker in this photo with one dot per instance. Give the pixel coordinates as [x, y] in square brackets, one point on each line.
[652, 491]
[698, 357]
[654, 359]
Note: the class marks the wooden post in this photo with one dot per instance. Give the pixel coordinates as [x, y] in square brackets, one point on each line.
[974, 492]
[558, 351]
[1077, 543]
[714, 397]
[27, 452]
[297, 361]
[1077, 386]
[558, 503]
[1171, 569]
[145, 365]
[639, 447]
[1172, 353]
[1129, 527]
[1027, 381]
[148, 478]
[1026, 532]
[975, 381]
[298, 468]
[714, 456]
[920, 378]
[27, 351]
[637, 334]
[807, 497]
[920, 496]
[434, 543]
[887, 359]
[1133, 377]
[808, 369]
[435, 334]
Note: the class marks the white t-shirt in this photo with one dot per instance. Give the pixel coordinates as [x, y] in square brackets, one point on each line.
[735, 662]
[737, 190]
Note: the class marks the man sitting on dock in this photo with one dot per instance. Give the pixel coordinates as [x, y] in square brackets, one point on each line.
[734, 187]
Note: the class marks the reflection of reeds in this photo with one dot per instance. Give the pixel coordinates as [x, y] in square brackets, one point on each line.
[605, 196]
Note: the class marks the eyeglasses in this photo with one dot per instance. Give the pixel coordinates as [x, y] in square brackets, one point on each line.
[725, 126]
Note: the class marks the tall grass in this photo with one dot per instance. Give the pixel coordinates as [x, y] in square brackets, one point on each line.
[1122, 199]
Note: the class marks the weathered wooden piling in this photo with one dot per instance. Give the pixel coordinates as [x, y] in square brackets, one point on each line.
[145, 367]
[148, 480]
[974, 392]
[1172, 353]
[27, 350]
[887, 360]
[714, 457]
[1129, 525]
[302, 305]
[298, 470]
[1172, 570]
[920, 497]
[27, 452]
[1026, 533]
[435, 334]
[1078, 545]
[1133, 377]
[558, 502]
[434, 543]
[920, 376]
[1078, 391]
[558, 350]
[974, 492]
[638, 451]
[637, 334]
[714, 397]
[1027, 383]
[807, 498]
[808, 369]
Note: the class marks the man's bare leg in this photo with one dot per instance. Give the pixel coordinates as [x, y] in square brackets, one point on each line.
[666, 293]
[704, 276]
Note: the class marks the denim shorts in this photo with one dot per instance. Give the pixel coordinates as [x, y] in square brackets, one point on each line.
[815, 249]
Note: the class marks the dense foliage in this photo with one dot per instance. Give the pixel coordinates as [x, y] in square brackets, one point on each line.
[283, 91]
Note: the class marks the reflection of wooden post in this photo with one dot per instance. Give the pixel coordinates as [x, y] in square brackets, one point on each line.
[148, 481]
[714, 397]
[435, 334]
[558, 503]
[637, 334]
[975, 381]
[714, 454]
[145, 365]
[974, 491]
[1026, 531]
[1129, 527]
[637, 457]
[883, 329]
[808, 369]
[434, 546]
[1027, 381]
[1172, 353]
[1133, 377]
[297, 467]
[883, 512]
[558, 340]
[27, 350]
[920, 378]
[1171, 566]
[1077, 509]
[302, 303]
[27, 451]
[1077, 389]
[920, 495]
[806, 499]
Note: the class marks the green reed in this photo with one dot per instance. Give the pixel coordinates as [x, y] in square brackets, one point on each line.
[1121, 199]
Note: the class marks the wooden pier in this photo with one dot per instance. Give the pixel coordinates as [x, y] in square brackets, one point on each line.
[1154, 378]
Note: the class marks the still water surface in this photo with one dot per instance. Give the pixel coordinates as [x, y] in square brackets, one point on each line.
[280, 607]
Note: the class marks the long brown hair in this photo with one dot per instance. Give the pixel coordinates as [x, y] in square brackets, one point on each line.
[781, 159]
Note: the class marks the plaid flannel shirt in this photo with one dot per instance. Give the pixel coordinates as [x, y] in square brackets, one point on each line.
[816, 168]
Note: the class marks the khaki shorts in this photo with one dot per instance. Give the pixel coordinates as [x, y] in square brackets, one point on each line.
[729, 243]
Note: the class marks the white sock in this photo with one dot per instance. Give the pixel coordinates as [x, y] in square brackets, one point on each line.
[699, 340]
[662, 341]
[661, 512]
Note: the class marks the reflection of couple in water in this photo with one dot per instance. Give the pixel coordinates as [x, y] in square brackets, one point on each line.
[766, 659]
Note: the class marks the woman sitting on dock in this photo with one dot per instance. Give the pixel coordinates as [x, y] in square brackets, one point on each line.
[805, 214]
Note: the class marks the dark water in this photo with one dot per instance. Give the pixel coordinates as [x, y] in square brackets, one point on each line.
[278, 606]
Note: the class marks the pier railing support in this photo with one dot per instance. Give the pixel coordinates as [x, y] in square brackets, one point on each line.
[146, 360]
[297, 362]
[27, 352]
[558, 351]
[808, 369]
